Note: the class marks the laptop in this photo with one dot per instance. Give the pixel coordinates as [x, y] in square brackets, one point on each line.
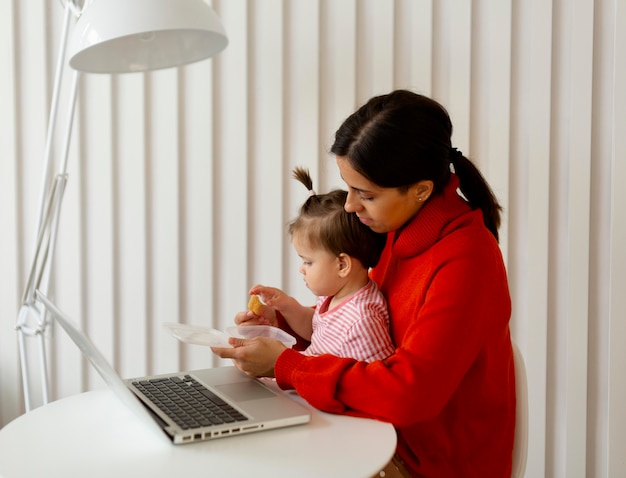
[225, 401]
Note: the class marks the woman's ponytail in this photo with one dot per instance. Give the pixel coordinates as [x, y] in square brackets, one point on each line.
[476, 190]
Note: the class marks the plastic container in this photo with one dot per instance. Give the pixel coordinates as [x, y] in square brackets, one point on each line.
[198, 335]
[192, 334]
[251, 331]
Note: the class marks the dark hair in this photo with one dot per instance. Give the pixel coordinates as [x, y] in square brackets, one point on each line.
[400, 138]
[327, 224]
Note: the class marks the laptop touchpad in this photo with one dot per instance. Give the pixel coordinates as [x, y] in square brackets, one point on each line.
[243, 391]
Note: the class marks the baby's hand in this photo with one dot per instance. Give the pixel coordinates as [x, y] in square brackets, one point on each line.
[271, 296]
[258, 313]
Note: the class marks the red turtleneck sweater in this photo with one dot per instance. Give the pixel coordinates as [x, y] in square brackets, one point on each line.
[449, 389]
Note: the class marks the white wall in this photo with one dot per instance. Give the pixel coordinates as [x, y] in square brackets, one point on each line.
[180, 185]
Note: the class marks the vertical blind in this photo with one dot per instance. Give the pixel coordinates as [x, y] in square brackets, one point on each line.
[180, 184]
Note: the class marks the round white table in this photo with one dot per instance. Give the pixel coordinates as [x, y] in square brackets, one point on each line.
[93, 435]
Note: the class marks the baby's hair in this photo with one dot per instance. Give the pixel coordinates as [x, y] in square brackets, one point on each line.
[325, 223]
[304, 177]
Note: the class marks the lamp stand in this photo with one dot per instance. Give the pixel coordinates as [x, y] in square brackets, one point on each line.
[112, 36]
[32, 320]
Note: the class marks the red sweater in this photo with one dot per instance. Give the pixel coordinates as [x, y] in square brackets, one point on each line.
[449, 389]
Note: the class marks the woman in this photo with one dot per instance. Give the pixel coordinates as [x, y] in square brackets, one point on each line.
[449, 389]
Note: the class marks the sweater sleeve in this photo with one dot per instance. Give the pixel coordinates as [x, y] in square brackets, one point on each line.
[294, 370]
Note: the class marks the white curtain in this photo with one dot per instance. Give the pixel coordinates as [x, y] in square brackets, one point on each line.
[180, 188]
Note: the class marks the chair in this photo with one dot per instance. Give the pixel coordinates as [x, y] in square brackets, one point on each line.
[520, 444]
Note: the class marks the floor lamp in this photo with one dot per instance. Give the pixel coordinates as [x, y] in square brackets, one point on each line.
[108, 36]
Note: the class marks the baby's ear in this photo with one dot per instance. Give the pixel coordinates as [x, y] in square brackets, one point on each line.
[344, 262]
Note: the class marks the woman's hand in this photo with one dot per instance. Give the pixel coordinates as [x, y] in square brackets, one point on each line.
[267, 317]
[255, 357]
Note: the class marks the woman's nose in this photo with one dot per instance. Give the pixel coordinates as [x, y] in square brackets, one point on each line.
[352, 204]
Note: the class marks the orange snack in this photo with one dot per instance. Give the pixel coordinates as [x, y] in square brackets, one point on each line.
[254, 305]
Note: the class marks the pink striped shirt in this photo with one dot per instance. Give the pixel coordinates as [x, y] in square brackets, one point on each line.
[358, 327]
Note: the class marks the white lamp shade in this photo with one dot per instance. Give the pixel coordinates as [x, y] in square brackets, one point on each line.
[120, 36]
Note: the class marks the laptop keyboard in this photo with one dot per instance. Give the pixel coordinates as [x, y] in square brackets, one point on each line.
[189, 403]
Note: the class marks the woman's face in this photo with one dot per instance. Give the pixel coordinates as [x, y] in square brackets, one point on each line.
[382, 209]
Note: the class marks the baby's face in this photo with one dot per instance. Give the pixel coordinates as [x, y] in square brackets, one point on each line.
[319, 268]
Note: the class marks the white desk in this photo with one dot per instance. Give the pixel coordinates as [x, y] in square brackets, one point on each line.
[67, 439]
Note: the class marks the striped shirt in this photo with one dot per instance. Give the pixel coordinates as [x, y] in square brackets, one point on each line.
[358, 327]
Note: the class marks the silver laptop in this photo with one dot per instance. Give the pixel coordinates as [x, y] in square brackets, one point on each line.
[222, 401]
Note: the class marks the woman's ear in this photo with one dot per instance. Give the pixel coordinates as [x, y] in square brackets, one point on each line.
[423, 189]
[344, 264]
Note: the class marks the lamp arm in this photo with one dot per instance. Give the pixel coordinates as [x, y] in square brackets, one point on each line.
[54, 108]
[52, 207]
[22, 319]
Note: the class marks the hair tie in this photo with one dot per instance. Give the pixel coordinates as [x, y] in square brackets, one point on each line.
[454, 155]
[311, 192]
